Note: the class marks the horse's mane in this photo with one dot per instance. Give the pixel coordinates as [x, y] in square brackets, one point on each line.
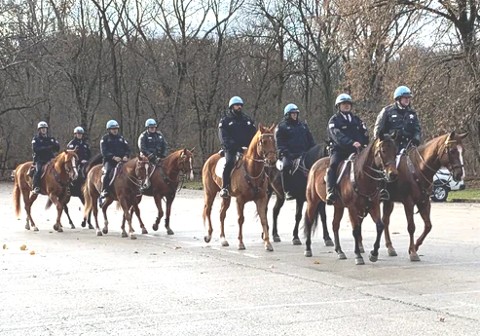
[362, 158]
[252, 147]
[93, 161]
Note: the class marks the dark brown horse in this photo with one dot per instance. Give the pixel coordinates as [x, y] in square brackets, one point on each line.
[359, 192]
[164, 180]
[249, 183]
[125, 189]
[414, 184]
[57, 175]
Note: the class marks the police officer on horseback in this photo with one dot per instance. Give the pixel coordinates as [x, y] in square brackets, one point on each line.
[79, 143]
[44, 148]
[293, 138]
[399, 120]
[347, 134]
[151, 143]
[114, 149]
[236, 130]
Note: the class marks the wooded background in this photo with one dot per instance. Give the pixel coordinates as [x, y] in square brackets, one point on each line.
[83, 62]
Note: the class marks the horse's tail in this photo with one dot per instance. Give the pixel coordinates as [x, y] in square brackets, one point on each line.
[16, 194]
[49, 204]
[88, 199]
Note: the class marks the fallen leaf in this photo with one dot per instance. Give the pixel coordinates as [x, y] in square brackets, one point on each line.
[5, 246]
[177, 247]
[23, 247]
[442, 319]
[316, 262]
[32, 252]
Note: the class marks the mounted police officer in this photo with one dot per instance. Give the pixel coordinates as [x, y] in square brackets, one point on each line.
[151, 143]
[114, 149]
[399, 120]
[348, 134]
[79, 143]
[293, 139]
[236, 130]
[44, 148]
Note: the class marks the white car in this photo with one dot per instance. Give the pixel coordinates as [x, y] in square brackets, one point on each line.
[443, 183]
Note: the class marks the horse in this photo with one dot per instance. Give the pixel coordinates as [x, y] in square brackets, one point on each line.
[414, 184]
[75, 189]
[57, 174]
[164, 180]
[359, 192]
[249, 183]
[298, 188]
[125, 189]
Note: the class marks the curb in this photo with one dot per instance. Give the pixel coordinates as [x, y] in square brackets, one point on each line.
[459, 200]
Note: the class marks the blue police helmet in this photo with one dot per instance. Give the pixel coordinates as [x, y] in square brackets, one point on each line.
[78, 130]
[402, 91]
[42, 124]
[234, 101]
[343, 98]
[150, 123]
[112, 124]
[290, 108]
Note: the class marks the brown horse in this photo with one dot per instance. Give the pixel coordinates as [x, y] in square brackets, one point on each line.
[57, 175]
[249, 183]
[359, 192]
[164, 180]
[414, 185]
[125, 189]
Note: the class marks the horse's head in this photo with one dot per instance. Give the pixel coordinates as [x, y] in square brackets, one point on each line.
[385, 152]
[266, 147]
[69, 163]
[142, 168]
[451, 155]
[185, 162]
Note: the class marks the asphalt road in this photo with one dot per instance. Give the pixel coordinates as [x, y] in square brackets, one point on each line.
[74, 283]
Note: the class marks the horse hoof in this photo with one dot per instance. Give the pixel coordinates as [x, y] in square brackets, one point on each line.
[83, 224]
[72, 226]
[35, 228]
[55, 227]
[359, 261]
[60, 229]
[373, 258]
[170, 232]
[296, 241]
[328, 242]
[105, 230]
[342, 256]
[99, 233]
[90, 226]
[133, 237]
[268, 247]
[225, 243]
[207, 239]
[414, 257]
[124, 235]
[27, 227]
[144, 231]
[241, 246]
[308, 253]
[155, 227]
[392, 252]
[276, 239]
[361, 249]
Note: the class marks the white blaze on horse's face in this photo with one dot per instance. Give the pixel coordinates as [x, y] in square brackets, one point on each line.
[190, 159]
[146, 183]
[460, 153]
[74, 165]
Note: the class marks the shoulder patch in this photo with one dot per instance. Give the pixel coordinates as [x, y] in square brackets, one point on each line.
[331, 125]
[33, 141]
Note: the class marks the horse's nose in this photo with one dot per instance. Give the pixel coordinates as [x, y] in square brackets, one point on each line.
[392, 175]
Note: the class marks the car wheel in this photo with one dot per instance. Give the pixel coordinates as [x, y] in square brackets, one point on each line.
[440, 193]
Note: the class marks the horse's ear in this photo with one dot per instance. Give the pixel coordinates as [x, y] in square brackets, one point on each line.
[451, 136]
[462, 135]
[191, 150]
[261, 128]
[272, 128]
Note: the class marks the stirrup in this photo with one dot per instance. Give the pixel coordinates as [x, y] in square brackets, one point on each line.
[36, 191]
[384, 195]
[331, 197]
[224, 193]
[288, 196]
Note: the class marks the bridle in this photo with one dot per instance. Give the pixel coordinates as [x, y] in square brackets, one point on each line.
[261, 148]
[73, 172]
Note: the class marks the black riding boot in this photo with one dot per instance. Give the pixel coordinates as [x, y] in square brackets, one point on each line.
[286, 184]
[331, 182]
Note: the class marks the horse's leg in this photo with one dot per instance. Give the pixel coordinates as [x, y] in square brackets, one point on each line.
[241, 220]
[261, 204]
[27, 201]
[95, 216]
[309, 218]
[375, 214]
[65, 209]
[90, 226]
[356, 231]
[223, 213]
[105, 206]
[276, 211]
[298, 218]
[408, 206]
[126, 216]
[323, 217]
[56, 200]
[425, 213]
[207, 212]
[158, 202]
[360, 238]
[136, 209]
[387, 211]
[337, 217]
[167, 214]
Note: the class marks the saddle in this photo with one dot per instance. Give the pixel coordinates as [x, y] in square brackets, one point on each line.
[32, 170]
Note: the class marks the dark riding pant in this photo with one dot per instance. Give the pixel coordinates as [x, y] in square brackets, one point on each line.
[108, 166]
[287, 166]
[335, 159]
[227, 170]
[38, 174]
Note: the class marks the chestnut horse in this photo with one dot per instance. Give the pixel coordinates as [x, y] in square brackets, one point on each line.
[359, 192]
[164, 180]
[58, 173]
[414, 185]
[249, 183]
[125, 189]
